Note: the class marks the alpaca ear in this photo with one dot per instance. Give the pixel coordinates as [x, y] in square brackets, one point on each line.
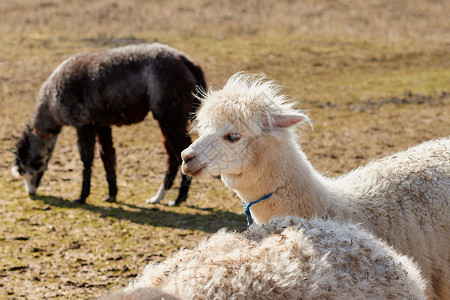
[283, 121]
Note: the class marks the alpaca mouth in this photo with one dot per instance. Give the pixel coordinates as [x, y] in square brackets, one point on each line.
[29, 186]
[15, 172]
[198, 172]
[193, 171]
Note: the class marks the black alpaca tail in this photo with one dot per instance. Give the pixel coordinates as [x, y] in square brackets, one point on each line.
[199, 77]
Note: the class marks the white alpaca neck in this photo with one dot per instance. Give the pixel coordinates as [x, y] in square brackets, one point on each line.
[286, 172]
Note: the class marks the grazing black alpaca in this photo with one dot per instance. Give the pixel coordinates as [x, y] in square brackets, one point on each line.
[93, 91]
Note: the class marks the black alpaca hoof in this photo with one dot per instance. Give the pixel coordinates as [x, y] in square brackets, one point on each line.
[79, 201]
[110, 199]
[175, 202]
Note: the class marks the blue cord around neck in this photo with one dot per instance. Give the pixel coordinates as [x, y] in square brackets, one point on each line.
[247, 208]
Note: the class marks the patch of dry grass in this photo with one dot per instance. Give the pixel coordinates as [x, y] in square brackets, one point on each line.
[374, 76]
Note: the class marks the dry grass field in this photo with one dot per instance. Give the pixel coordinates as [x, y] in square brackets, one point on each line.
[374, 76]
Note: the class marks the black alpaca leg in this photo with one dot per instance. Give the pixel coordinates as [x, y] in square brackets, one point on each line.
[108, 155]
[184, 189]
[173, 134]
[176, 142]
[86, 146]
[169, 177]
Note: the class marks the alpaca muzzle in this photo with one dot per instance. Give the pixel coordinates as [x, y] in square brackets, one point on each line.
[15, 172]
[191, 165]
[30, 185]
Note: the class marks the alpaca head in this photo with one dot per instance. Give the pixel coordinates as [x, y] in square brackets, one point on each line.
[32, 156]
[247, 116]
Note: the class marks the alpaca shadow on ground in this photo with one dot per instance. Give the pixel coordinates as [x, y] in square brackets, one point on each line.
[208, 223]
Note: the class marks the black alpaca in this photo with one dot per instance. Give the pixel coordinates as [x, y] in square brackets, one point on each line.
[93, 91]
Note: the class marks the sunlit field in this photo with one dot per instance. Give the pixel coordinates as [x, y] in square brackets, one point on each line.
[373, 75]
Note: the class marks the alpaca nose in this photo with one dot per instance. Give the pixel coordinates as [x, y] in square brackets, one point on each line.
[187, 155]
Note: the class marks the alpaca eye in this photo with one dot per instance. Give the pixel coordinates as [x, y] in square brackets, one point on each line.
[232, 137]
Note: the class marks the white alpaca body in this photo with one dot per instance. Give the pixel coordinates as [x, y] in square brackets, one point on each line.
[288, 258]
[403, 199]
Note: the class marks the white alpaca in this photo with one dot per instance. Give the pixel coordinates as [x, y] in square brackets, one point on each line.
[289, 258]
[247, 136]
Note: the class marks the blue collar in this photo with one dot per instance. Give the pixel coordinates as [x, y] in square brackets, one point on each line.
[247, 208]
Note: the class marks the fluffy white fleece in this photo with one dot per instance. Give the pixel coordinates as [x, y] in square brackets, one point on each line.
[288, 258]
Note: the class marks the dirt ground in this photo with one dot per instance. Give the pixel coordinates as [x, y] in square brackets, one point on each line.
[374, 77]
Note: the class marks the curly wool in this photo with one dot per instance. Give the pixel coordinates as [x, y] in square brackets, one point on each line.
[141, 294]
[288, 258]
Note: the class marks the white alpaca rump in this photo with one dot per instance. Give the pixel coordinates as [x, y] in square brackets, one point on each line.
[289, 258]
